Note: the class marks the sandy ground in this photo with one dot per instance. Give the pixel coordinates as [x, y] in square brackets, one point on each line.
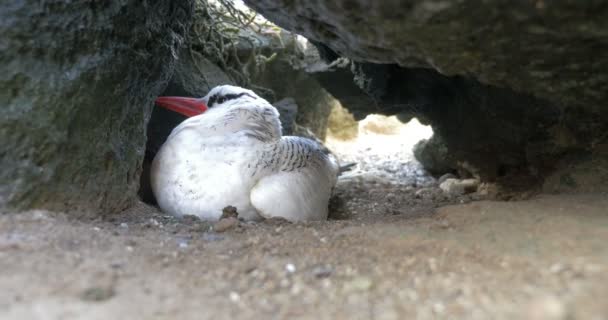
[389, 252]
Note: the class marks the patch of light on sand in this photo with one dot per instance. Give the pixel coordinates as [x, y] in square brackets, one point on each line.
[383, 149]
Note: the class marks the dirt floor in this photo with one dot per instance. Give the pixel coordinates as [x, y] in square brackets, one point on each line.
[390, 251]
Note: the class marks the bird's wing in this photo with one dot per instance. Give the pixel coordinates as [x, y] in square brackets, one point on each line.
[291, 195]
[301, 188]
[259, 122]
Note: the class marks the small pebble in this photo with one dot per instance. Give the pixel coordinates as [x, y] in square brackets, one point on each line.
[444, 224]
[290, 268]
[455, 187]
[425, 193]
[438, 307]
[190, 219]
[154, 222]
[96, 294]
[234, 297]
[229, 212]
[322, 271]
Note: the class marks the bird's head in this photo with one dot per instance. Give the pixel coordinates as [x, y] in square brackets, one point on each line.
[228, 95]
[218, 97]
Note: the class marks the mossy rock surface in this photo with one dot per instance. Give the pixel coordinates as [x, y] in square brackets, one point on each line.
[77, 84]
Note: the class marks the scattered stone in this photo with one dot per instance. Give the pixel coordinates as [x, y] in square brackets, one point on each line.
[456, 187]
[426, 193]
[546, 308]
[226, 224]
[190, 218]
[97, 294]
[278, 221]
[322, 271]
[288, 110]
[212, 237]
[229, 212]
[9, 246]
[443, 224]
[445, 177]
[154, 222]
[438, 307]
[199, 227]
[234, 297]
[290, 268]
[488, 190]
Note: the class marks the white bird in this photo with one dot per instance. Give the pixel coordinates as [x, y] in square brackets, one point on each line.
[233, 154]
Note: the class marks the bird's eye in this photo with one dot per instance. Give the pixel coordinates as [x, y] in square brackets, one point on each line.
[221, 100]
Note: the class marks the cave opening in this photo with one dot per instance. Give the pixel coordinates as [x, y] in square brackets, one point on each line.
[383, 147]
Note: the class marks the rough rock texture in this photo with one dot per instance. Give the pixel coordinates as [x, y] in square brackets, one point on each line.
[314, 103]
[77, 83]
[338, 81]
[581, 173]
[288, 111]
[434, 155]
[515, 85]
[194, 76]
[550, 48]
[286, 74]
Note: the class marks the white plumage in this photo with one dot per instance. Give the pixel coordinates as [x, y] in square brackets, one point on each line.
[233, 154]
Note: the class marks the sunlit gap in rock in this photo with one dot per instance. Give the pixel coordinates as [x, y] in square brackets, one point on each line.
[382, 148]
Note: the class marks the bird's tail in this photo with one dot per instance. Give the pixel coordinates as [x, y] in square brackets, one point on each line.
[346, 167]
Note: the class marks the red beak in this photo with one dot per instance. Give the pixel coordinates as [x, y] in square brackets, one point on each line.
[189, 107]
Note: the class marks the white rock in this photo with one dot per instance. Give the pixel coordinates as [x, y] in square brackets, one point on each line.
[445, 177]
[456, 187]
[290, 268]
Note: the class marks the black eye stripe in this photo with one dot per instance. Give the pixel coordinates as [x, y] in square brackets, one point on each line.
[212, 100]
[216, 98]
